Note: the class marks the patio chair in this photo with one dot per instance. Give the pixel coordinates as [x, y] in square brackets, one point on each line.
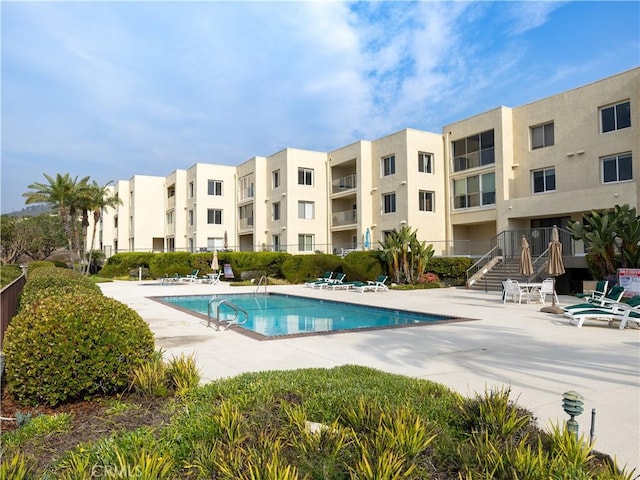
[190, 278]
[513, 289]
[213, 278]
[333, 283]
[624, 312]
[545, 289]
[599, 292]
[325, 278]
[371, 285]
[613, 296]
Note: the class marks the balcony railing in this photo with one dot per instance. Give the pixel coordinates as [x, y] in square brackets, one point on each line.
[344, 183]
[246, 223]
[245, 193]
[171, 202]
[346, 217]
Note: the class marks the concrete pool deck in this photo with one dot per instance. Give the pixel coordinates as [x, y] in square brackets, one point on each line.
[538, 355]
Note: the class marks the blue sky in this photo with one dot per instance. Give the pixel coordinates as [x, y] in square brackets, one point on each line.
[115, 89]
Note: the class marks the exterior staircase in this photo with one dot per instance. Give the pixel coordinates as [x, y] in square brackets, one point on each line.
[505, 268]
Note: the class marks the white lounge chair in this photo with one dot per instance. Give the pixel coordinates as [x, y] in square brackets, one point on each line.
[371, 285]
[622, 312]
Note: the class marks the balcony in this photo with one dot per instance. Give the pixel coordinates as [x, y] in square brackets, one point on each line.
[245, 223]
[171, 202]
[347, 217]
[344, 183]
[245, 194]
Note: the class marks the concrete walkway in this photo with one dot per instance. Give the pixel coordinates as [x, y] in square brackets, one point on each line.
[538, 355]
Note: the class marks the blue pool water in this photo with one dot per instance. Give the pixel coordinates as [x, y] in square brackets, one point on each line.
[275, 315]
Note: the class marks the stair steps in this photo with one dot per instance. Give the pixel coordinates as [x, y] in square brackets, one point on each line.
[492, 280]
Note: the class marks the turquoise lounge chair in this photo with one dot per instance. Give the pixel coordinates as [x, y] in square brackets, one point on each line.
[613, 296]
[623, 312]
[325, 278]
[372, 285]
[599, 292]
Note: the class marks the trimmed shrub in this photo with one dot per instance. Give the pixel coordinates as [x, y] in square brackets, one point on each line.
[52, 282]
[454, 268]
[31, 266]
[267, 263]
[298, 268]
[171, 263]
[73, 346]
[120, 264]
[8, 273]
[362, 266]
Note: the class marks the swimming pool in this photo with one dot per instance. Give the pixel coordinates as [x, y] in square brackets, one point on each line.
[274, 315]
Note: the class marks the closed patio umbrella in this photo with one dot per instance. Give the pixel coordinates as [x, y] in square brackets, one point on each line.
[555, 267]
[214, 263]
[526, 265]
[367, 239]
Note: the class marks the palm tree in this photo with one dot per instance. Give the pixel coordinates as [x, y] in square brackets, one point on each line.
[406, 256]
[61, 193]
[99, 198]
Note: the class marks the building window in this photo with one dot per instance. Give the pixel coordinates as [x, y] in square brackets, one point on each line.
[214, 187]
[425, 201]
[425, 162]
[115, 222]
[474, 151]
[190, 217]
[389, 203]
[617, 168]
[475, 191]
[169, 218]
[542, 136]
[388, 165]
[245, 186]
[615, 117]
[192, 191]
[305, 176]
[275, 178]
[214, 216]
[306, 210]
[245, 214]
[275, 243]
[215, 243]
[305, 243]
[276, 210]
[544, 180]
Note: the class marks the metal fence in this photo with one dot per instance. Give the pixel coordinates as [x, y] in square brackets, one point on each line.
[9, 303]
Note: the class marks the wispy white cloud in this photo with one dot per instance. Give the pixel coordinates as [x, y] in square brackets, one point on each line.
[122, 88]
[524, 16]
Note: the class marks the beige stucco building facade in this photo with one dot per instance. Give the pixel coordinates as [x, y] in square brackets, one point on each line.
[508, 169]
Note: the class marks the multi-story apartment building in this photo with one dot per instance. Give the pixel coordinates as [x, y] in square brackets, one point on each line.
[506, 170]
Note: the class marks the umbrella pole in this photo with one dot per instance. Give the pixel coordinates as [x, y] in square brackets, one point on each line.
[553, 308]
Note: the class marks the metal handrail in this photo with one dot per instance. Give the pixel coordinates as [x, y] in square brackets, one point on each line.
[486, 258]
[233, 307]
[266, 281]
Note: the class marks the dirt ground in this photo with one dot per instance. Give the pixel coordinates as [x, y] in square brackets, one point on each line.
[91, 422]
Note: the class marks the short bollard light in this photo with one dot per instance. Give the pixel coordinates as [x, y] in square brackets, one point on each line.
[573, 406]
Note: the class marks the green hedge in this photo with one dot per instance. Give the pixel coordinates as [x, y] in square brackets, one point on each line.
[362, 266]
[298, 268]
[73, 346]
[454, 268]
[121, 264]
[32, 266]
[52, 282]
[170, 263]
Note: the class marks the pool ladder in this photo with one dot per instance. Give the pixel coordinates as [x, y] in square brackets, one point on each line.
[266, 281]
[232, 306]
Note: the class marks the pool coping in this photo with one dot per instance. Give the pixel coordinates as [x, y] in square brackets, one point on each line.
[260, 337]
